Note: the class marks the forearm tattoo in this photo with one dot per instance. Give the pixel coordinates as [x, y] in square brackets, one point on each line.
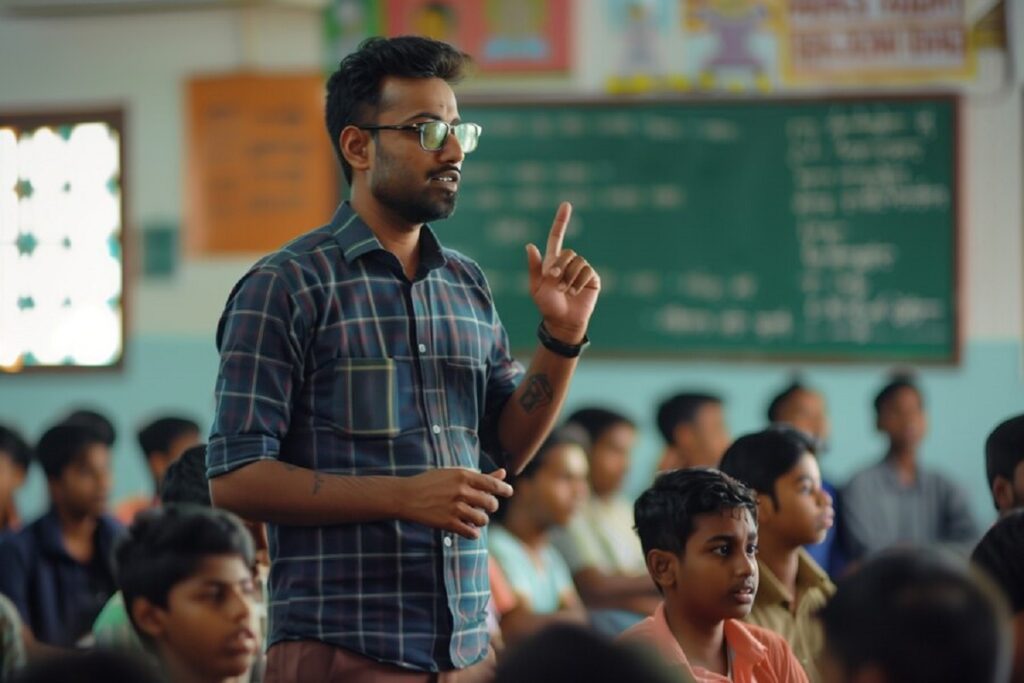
[537, 393]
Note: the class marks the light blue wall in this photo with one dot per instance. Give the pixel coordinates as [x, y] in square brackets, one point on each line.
[965, 402]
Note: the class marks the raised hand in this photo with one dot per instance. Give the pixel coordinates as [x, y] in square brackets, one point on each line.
[563, 285]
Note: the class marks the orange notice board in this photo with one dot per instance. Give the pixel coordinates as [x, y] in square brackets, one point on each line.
[260, 165]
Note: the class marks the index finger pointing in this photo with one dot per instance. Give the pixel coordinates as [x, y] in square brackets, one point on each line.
[557, 234]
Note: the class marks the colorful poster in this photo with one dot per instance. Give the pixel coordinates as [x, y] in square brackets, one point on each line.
[346, 24]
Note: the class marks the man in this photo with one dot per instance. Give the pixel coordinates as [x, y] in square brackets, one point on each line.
[365, 371]
[694, 429]
[1004, 465]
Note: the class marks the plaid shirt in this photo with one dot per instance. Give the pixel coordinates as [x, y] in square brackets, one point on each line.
[331, 359]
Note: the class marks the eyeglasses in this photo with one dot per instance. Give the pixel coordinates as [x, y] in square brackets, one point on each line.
[434, 134]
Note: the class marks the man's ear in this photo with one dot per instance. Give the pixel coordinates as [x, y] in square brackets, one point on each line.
[1002, 493]
[682, 437]
[661, 565]
[355, 147]
[150, 618]
[765, 507]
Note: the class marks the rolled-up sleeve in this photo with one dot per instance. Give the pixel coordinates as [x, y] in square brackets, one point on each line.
[503, 376]
[261, 364]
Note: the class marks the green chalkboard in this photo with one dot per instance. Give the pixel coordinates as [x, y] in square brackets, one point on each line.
[798, 229]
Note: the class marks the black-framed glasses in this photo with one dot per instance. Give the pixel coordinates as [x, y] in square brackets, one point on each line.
[433, 134]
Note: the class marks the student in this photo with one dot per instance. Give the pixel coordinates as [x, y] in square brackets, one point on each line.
[548, 491]
[1000, 553]
[186, 573]
[913, 616]
[89, 666]
[1004, 464]
[57, 570]
[693, 427]
[99, 423]
[898, 501]
[804, 408]
[698, 528]
[15, 456]
[162, 442]
[792, 510]
[599, 544]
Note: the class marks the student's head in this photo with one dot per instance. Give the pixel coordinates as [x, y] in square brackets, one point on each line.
[186, 575]
[552, 486]
[94, 420]
[164, 440]
[76, 461]
[899, 413]
[698, 529]
[693, 426]
[1000, 554]
[913, 616]
[88, 666]
[611, 437]
[15, 457]
[398, 81]
[802, 407]
[779, 465]
[1004, 463]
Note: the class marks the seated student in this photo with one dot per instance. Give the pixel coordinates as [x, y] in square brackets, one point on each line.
[804, 408]
[898, 501]
[1000, 553]
[698, 528]
[162, 442]
[693, 427]
[547, 493]
[792, 510]
[15, 456]
[57, 569]
[1004, 464]
[186, 573]
[599, 544]
[914, 616]
[99, 423]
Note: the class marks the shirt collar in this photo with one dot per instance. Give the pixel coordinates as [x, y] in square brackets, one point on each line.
[51, 541]
[809, 575]
[356, 238]
[747, 652]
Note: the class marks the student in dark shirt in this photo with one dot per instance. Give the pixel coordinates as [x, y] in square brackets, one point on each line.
[57, 570]
[15, 456]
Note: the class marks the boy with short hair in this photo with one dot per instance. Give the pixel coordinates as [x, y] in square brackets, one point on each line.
[15, 456]
[694, 429]
[57, 570]
[548, 491]
[698, 528]
[914, 616]
[898, 501]
[186, 575]
[162, 442]
[1004, 464]
[1000, 554]
[793, 510]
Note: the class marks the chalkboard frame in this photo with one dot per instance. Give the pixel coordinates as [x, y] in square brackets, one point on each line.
[955, 100]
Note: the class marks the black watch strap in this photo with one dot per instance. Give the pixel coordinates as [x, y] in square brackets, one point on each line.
[560, 347]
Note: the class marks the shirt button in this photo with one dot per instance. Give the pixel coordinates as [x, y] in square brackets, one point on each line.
[436, 429]
[447, 541]
[423, 348]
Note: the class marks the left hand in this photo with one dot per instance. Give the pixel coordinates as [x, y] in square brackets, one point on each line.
[563, 285]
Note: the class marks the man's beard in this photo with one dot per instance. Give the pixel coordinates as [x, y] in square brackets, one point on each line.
[393, 185]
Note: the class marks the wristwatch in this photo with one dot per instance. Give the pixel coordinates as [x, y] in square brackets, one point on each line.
[560, 347]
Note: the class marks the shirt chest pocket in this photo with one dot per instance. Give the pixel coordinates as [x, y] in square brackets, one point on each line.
[465, 383]
[365, 397]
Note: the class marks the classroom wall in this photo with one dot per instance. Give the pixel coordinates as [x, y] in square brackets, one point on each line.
[143, 61]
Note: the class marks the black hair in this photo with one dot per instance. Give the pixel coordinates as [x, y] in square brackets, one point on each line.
[896, 383]
[60, 445]
[185, 480]
[1000, 553]
[15, 447]
[920, 617]
[568, 433]
[759, 459]
[159, 434]
[89, 666]
[565, 652]
[166, 545]
[596, 421]
[354, 90]
[780, 399]
[1004, 449]
[665, 513]
[95, 421]
[681, 409]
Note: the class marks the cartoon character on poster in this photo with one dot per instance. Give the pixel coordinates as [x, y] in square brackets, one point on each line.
[735, 26]
[515, 31]
[639, 28]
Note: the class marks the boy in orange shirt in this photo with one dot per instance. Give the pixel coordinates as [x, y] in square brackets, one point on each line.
[698, 528]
